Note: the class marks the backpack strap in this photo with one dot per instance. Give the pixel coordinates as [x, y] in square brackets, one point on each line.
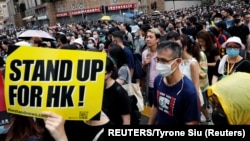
[97, 136]
[234, 69]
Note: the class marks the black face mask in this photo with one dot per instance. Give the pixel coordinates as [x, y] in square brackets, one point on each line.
[219, 118]
[236, 21]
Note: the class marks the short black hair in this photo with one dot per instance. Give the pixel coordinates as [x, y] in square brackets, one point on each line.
[111, 67]
[192, 19]
[230, 11]
[145, 27]
[163, 25]
[172, 45]
[118, 34]
[62, 38]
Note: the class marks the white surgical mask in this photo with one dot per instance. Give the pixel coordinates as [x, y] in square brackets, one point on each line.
[95, 36]
[91, 46]
[4, 130]
[164, 69]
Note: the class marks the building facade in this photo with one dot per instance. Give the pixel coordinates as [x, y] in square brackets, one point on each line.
[50, 12]
[73, 11]
[3, 13]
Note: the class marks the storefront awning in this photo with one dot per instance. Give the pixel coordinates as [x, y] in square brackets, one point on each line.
[28, 18]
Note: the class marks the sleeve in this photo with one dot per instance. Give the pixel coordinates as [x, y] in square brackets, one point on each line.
[203, 65]
[123, 74]
[144, 55]
[216, 73]
[130, 58]
[215, 52]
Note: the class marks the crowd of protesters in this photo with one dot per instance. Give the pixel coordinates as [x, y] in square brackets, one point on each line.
[182, 53]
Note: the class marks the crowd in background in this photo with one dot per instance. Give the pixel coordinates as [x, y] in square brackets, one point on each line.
[182, 53]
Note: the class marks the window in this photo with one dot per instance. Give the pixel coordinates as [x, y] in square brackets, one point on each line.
[73, 6]
[81, 6]
[63, 8]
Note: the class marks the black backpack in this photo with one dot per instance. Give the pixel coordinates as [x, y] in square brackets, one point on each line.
[138, 72]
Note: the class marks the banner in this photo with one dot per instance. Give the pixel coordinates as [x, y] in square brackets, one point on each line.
[67, 82]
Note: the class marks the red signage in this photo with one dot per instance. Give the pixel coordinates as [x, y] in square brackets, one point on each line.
[121, 6]
[89, 10]
[63, 14]
[2, 101]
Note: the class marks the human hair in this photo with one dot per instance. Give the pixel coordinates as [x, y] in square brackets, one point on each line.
[118, 34]
[192, 19]
[24, 127]
[163, 25]
[7, 42]
[111, 67]
[145, 27]
[128, 28]
[37, 40]
[172, 35]
[62, 38]
[193, 47]
[172, 45]
[156, 32]
[203, 34]
[230, 11]
[117, 53]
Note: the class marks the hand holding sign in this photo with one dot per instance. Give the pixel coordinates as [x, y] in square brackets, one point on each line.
[67, 86]
[55, 124]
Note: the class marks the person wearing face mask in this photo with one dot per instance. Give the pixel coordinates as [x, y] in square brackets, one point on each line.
[220, 36]
[232, 62]
[240, 30]
[96, 36]
[175, 99]
[91, 45]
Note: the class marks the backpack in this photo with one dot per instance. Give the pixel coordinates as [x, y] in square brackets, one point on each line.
[219, 41]
[128, 42]
[138, 72]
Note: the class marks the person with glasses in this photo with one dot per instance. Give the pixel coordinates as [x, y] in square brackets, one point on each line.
[232, 61]
[175, 99]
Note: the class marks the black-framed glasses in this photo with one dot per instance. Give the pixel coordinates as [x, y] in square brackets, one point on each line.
[163, 60]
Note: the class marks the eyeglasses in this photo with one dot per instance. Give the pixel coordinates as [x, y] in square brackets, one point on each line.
[236, 47]
[162, 60]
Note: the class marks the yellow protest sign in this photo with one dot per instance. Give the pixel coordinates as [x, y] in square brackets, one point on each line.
[67, 82]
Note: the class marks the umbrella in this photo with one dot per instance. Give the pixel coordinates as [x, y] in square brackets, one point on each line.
[131, 15]
[26, 35]
[106, 18]
[123, 19]
[233, 94]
